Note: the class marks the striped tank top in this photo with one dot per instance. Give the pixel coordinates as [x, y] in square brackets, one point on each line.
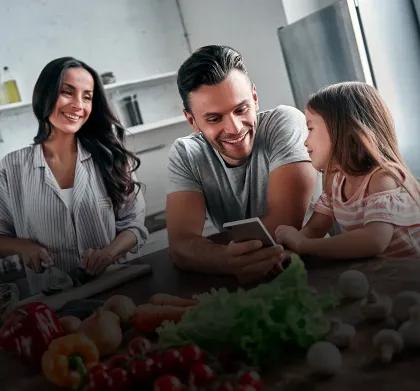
[396, 207]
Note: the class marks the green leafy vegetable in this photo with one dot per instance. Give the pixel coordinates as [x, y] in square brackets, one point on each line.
[260, 323]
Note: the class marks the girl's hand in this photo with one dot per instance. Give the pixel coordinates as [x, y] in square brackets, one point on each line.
[95, 261]
[34, 255]
[290, 237]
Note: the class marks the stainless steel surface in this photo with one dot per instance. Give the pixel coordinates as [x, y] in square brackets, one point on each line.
[377, 42]
[321, 49]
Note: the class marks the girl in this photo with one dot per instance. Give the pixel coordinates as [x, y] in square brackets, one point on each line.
[70, 199]
[368, 189]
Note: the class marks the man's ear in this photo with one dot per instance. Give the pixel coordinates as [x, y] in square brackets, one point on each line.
[255, 97]
[191, 120]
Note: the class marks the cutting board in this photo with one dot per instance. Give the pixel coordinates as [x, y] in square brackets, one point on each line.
[113, 276]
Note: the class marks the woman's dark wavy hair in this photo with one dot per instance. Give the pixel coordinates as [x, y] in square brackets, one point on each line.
[102, 134]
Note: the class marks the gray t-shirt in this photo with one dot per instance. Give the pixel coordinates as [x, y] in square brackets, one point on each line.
[235, 193]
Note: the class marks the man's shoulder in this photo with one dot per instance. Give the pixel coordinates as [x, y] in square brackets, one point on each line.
[192, 145]
[281, 115]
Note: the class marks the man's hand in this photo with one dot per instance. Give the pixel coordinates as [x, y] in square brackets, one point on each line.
[249, 262]
[33, 255]
[290, 237]
[95, 261]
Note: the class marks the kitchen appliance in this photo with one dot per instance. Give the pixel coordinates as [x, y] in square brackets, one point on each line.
[374, 41]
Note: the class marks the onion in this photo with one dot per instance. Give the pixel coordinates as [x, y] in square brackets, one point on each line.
[70, 324]
[121, 305]
[103, 328]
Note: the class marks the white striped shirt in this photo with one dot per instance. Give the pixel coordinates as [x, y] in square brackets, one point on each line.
[395, 207]
[32, 207]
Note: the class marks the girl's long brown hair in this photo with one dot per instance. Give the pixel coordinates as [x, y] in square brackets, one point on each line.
[362, 132]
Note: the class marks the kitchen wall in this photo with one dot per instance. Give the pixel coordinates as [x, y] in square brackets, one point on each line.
[250, 27]
[132, 38]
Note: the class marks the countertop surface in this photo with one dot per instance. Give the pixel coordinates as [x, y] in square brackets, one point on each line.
[359, 370]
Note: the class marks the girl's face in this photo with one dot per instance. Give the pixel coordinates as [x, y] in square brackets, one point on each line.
[74, 102]
[318, 143]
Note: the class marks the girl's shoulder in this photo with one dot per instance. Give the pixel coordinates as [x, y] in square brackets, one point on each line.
[383, 180]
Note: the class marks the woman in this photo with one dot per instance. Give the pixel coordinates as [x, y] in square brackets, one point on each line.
[70, 199]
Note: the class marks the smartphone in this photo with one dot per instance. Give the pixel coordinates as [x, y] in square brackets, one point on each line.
[249, 229]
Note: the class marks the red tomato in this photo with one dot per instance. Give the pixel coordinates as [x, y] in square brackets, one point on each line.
[171, 360]
[139, 346]
[167, 383]
[118, 361]
[191, 354]
[201, 374]
[142, 370]
[251, 378]
[119, 380]
[98, 378]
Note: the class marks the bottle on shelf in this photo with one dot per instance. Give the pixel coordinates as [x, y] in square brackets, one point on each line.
[132, 110]
[10, 87]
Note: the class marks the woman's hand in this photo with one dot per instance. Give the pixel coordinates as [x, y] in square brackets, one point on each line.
[95, 261]
[34, 255]
[290, 237]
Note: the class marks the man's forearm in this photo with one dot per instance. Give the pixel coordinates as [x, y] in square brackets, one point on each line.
[199, 254]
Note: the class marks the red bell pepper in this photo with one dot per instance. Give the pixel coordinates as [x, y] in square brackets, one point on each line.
[28, 331]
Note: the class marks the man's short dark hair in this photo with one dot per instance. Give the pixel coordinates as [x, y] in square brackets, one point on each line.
[208, 65]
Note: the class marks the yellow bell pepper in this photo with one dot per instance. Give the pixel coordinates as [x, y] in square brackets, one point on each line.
[66, 361]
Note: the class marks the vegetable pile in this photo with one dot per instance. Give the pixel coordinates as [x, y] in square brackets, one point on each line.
[259, 323]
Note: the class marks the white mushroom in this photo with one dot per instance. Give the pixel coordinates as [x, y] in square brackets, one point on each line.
[341, 334]
[410, 330]
[324, 358]
[375, 307]
[402, 304]
[353, 284]
[388, 342]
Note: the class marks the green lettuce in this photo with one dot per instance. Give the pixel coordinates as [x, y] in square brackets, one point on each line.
[261, 323]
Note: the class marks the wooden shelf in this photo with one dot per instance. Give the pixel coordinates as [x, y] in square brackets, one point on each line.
[155, 125]
[110, 88]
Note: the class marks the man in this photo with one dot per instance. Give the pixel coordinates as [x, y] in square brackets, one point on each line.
[237, 164]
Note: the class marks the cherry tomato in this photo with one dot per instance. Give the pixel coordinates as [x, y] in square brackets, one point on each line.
[171, 360]
[251, 378]
[98, 378]
[118, 361]
[139, 346]
[191, 354]
[201, 374]
[167, 383]
[119, 380]
[142, 370]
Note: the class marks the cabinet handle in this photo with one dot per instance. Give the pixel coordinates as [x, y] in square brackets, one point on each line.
[154, 148]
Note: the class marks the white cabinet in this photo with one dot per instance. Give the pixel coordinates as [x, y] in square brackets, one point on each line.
[163, 122]
[152, 148]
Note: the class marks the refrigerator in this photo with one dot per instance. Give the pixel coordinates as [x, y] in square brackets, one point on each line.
[374, 41]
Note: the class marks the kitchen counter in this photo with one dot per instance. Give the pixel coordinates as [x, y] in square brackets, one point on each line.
[359, 370]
